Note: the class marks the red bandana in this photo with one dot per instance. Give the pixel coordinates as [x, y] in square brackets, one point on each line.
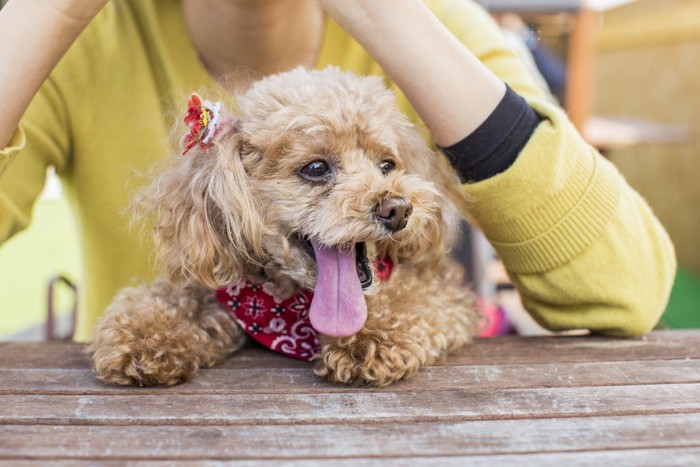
[282, 326]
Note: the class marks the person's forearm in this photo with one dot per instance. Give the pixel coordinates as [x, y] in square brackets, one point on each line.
[452, 91]
[35, 35]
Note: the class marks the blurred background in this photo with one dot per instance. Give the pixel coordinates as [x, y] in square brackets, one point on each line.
[628, 74]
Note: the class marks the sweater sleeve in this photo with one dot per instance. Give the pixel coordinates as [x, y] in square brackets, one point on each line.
[583, 248]
[40, 141]
[496, 144]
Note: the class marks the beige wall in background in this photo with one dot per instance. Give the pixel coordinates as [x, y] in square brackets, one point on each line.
[648, 66]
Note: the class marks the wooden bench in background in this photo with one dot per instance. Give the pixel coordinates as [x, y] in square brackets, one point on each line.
[583, 22]
[502, 401]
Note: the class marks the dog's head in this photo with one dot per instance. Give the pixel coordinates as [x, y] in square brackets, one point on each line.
[319, 171]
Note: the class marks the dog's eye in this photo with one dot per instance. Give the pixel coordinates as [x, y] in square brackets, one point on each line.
[317, 170]
[387, 166]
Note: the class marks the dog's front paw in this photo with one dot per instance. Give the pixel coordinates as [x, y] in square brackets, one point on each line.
[370, 360]
[124, 358]
[128, 351]
[159, 335]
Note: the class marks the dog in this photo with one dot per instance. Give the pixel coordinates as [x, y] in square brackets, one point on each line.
[320, 194]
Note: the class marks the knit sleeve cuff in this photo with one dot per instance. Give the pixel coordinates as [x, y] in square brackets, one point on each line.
[552, 203]
[496, 144]
[16, 144]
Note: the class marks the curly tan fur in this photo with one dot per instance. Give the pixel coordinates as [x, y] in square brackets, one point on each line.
[405, 330]
[161, 335]
[238, 209]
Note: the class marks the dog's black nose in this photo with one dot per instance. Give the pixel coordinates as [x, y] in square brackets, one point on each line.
[394, 212]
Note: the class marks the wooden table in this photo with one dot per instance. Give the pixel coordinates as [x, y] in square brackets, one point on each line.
[532, 6]
[545, 401]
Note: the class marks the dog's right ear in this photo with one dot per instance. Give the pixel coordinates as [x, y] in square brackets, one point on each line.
[208, 226]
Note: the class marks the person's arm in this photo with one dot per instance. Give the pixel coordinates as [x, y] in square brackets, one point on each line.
[45, 141]
[583, 248]
[35, 35]
[449, 87]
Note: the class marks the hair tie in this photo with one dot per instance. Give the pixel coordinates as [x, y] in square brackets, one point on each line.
[204, 122]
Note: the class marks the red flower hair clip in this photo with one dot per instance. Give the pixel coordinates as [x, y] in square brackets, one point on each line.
[204, 121]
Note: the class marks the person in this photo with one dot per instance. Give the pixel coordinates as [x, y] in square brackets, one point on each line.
[92, 88]
[549, 67]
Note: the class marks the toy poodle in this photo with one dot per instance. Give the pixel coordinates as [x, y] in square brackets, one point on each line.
[314, 220]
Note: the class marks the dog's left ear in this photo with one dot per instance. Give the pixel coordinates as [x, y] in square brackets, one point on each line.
[208, 226]
[431, 165]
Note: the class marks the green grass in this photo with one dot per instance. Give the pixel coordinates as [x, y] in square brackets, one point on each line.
[30, 259]
[683, 310]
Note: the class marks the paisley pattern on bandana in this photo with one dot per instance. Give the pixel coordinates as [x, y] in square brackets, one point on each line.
[280, 325]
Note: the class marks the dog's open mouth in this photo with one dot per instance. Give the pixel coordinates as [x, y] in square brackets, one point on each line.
[338, 307]
[364, 270]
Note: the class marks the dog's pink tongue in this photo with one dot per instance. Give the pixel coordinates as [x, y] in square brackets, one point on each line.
[338, 307]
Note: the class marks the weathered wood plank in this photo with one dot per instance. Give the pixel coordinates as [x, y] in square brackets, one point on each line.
[667, 345]
[497, 437]
[302, 380]
[670, 457]
[663, 345]
[69, 355]
[504, 401]
[364, 407]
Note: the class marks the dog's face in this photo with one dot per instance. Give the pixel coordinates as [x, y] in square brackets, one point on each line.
[321, 174]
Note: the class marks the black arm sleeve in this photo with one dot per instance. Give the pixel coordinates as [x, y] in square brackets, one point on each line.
[495, 145]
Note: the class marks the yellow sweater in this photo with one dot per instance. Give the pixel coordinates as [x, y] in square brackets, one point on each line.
[583, 248]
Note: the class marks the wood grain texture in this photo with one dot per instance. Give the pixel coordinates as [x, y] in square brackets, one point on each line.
[670, 457]
[353, 440]
[361, 407]
[682, 457]
[525, 401]
[502, 350]
[303, 381]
